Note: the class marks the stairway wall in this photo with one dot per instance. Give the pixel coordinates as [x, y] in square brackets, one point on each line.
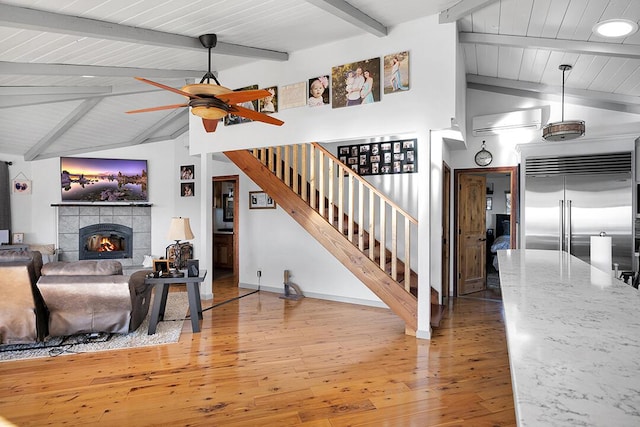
[272, 241]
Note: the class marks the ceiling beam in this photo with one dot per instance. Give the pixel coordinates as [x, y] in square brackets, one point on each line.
[72, 118]
[588, 98]
[26, 100]
[462, 9]
[52, 90]
[175, 115]
[19, 96]
[169, 137]
[39, 69]
[39, 20]
[352, 15]
[572, 46]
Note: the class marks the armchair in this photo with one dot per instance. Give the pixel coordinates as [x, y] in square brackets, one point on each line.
[93, 296]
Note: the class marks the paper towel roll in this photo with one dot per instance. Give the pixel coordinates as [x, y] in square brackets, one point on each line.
[601, 253]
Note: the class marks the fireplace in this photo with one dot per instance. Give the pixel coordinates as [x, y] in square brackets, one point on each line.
[105, 241]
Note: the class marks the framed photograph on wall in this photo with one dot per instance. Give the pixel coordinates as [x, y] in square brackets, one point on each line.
[260, 200]
[187, 189]
[318, 91]
[355, 83]
[232, 119]
[293, 95]
[396, 72]
[187, 172]
[489, 203]
[269, 104]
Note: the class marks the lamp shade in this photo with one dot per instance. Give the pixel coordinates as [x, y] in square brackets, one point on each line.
[180, 229]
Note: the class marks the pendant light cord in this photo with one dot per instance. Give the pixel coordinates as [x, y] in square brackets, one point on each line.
[563, 71]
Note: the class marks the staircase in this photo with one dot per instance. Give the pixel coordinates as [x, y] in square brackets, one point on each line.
[347, 215]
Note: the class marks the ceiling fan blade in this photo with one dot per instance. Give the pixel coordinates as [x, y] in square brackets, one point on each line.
[254, 115]
[243, 96]
[169, 88]
[210, 125]
[163, 107]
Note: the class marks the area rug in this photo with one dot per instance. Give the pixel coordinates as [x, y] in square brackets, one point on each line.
[168, 331]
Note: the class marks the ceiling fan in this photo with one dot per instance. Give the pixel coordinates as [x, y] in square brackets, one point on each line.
[213, 101]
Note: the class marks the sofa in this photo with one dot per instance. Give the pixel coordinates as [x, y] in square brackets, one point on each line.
[93, 296]
[24, 316]
[66, 298]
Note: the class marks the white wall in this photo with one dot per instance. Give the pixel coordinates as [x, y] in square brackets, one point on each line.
[34, 215]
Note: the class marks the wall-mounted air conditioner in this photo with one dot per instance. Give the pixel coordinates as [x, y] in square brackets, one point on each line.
[494, 124]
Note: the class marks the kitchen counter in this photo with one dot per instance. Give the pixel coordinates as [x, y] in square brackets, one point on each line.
[573, 335]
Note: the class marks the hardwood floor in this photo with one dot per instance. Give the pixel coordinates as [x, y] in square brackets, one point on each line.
[264, 361]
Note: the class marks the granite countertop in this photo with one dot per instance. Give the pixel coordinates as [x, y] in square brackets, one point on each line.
[573, 335]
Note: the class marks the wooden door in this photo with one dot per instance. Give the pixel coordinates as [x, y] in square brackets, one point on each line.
[446, 229]
[472, 234]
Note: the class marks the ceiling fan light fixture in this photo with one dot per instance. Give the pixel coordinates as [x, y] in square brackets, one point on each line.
[563, 130]
[209, 108]
[615, 28]
[208, 113]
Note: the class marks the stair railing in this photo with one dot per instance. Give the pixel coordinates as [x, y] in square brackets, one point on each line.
[347, 201]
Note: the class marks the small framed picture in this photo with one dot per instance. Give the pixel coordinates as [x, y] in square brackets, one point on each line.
[187, 173]
[260, 200]
[22, 186]
[161, 266]
[187, 190]
[17, 238]
[269, 104]
[293, 95]
[489, 203]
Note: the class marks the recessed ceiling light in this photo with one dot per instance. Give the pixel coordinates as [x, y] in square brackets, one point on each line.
[613, 28]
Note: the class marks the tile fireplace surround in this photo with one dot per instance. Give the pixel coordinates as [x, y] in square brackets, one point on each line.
[71, 218]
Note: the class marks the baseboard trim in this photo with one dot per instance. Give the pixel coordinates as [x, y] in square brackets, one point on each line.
[327, 297]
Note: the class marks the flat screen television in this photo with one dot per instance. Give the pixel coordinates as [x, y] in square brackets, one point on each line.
[84, 179]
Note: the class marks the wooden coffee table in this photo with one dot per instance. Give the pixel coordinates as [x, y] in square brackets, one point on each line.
[162, 284]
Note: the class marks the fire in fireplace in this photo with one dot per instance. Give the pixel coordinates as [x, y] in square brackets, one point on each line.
[105, 241]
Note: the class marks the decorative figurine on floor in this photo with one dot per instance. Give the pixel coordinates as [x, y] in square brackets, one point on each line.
[288, 287]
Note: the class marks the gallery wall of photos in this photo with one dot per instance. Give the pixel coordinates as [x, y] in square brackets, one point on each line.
[347, 85]
[381, 158]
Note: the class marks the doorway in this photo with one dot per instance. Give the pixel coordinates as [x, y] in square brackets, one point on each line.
[481, 212]
[225, 228]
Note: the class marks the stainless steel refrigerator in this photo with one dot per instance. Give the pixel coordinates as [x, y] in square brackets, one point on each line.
[565, 205]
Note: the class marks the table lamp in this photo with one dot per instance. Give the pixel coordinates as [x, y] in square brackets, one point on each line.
[180, 230]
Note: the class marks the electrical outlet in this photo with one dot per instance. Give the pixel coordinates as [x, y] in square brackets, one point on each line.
[259, 273]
